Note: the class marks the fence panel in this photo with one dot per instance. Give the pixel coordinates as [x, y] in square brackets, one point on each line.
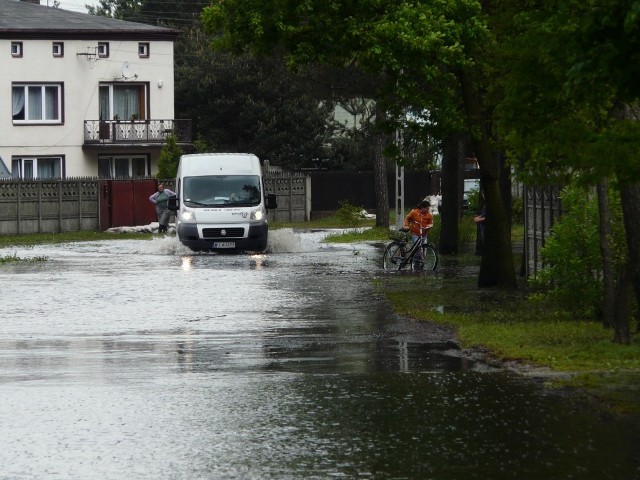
[48, 206]
[294, 197]
[542, 208]
[331, 188]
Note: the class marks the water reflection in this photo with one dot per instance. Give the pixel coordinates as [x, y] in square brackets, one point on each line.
[187, 263]
[258, 261]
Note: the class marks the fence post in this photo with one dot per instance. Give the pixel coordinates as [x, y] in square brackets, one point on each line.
[18, 208]
[307, 204]
[39, 207]
[59, 205]
[79, 205]
[290, 198]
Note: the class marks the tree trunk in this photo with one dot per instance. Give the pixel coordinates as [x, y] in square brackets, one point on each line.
[479, 236]
[609, 305]
[380, 179]
[496, 267]
[451, 195]
[630, 198]
[623, 310]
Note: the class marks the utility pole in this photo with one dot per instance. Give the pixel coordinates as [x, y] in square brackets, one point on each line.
[399, 203]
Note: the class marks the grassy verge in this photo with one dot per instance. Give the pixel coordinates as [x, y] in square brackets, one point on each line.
[333, 221]
[42, 238]
[47, 238]
[511, 327]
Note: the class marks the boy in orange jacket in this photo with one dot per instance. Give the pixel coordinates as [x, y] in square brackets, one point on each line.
[418, 217]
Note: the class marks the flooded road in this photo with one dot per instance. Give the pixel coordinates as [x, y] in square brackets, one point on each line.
[141, 360]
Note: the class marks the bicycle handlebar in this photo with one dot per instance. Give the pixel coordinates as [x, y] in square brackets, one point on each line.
[422, 229]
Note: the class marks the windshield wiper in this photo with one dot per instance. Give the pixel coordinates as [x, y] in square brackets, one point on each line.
[198, 203]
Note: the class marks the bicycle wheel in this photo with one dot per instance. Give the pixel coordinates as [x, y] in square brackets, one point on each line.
[431, 257]
[393, 257]
[427, 261]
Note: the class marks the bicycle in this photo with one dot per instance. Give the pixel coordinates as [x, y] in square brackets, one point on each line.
[422, 255]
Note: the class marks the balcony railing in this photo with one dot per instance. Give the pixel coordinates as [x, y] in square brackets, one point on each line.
[118, 132]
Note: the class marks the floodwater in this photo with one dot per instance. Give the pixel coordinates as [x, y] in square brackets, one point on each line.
[141, 360]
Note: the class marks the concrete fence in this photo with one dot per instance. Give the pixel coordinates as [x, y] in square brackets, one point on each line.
[54, 206]
[48, 206]
[294, 197]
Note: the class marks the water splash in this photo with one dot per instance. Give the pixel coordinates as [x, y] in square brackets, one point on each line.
[284, 240]
[169, 245]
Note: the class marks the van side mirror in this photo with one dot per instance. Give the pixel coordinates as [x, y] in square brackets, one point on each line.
[271, 201]
[172, 204]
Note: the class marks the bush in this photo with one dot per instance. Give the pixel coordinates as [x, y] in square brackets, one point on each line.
[474, 201]
[348, 214]
[572, 272]
[517, 211]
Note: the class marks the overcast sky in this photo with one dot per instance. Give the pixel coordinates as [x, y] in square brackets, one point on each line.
[75, 5]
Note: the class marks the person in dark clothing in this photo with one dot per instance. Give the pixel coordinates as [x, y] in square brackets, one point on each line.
[481, 219]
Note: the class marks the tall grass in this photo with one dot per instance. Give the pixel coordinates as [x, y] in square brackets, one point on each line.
[14, 258]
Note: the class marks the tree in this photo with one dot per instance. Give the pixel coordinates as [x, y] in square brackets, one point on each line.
[571, 105]
[452, 155]
[237, 104]
[423, 53]
[251, 105]
[169, 158]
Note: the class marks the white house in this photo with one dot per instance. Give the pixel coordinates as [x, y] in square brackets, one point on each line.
[83, 95]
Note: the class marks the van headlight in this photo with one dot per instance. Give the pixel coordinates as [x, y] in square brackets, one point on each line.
[257, 214]
[187, 216]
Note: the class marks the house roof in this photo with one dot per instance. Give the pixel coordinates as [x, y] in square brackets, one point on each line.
[23, 20]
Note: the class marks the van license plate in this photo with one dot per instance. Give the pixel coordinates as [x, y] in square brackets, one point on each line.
[224, 244]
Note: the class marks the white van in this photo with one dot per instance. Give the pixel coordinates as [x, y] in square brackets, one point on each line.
[220, 202]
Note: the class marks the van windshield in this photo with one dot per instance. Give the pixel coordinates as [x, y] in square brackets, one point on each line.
[222, 191]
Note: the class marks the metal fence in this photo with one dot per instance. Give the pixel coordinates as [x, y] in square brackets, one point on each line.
[331, 188]
[542, 208]
[137, 131]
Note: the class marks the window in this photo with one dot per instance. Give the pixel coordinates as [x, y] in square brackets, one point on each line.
[16, 49]
[58, 49]
[103, 49]
[32, 103]
[123, 166]
[143, 50]
[123, 101]
[29, 168]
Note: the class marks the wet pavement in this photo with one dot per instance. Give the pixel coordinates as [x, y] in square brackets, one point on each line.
[141, 360]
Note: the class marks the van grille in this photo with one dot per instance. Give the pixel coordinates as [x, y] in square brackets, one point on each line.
[217, 232]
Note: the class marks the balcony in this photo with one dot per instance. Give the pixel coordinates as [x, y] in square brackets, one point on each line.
[136, 132]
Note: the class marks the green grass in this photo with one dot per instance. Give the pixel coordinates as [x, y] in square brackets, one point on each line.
[367, 232]
[511, 327]
[85, 236]
[362, 235]
[14, 258]
[332, 221]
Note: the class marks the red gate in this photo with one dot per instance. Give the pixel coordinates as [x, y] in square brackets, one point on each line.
[125, 203]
